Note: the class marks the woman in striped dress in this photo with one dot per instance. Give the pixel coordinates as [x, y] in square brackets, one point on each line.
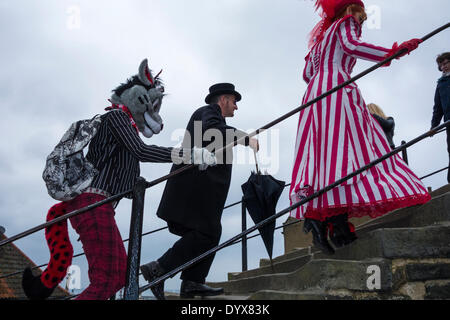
[336, 136]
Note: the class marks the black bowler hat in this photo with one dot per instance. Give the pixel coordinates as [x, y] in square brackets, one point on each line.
[220, 89]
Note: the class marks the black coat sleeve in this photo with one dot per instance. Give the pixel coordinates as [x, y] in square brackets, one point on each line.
[438, 113]
[387, 125]
[211, 119]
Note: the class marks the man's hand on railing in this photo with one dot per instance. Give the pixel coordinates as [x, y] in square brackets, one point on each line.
[433, 131]
[203, 158]
[431, 134]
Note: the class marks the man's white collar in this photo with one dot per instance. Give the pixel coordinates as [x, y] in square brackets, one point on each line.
[446, 74]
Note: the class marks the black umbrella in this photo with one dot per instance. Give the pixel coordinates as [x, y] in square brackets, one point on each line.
[261, 194]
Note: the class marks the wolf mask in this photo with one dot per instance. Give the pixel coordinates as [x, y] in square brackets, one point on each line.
[142, 95]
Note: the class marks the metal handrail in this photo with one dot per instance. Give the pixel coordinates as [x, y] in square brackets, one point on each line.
[125, 240]
[64, 217]
[226, 207]
[76, 255]
[185, 168]
[283, 212]
[244, 223]
[432, 174]
[244, 239]
[239, 238]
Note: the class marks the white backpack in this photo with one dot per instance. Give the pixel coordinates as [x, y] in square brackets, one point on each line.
[67, 173]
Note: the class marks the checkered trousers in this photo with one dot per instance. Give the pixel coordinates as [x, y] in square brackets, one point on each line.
[103, 246]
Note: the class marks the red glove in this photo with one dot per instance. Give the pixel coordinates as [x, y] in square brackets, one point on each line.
[391, 53]
[410, 45]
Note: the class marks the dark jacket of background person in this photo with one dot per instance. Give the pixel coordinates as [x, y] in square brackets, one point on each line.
[195, 199]
[441, 101]
[388, 126]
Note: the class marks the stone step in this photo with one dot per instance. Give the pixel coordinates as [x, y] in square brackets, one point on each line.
[392, 243]
[219, 297]
[383, 243]
[341, 279]
[296, 253]
[440, 191]
[413, 277]
[317, 274]
[428, 290]
[302, 295]
[329, 295]
[434, 212]
[437, 290]
[283, 266]
[420, 270]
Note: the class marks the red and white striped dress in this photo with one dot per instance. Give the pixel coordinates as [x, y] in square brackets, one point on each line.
[336, 136]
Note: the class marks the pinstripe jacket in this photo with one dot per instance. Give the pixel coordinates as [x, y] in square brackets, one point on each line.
[116, 151]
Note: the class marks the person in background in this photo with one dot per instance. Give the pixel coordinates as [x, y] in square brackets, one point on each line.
[442, 98]
[386, 123]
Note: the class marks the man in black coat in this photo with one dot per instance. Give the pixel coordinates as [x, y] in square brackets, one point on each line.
[192, 202]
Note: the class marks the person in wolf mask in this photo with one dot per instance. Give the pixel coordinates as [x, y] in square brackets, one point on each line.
[116, 152]
[192, 203]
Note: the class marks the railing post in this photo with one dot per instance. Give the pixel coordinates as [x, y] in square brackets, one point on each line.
[131, 291]
[244, 238]
[405, 154]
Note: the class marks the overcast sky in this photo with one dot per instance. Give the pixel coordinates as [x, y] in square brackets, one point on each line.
[61, 59]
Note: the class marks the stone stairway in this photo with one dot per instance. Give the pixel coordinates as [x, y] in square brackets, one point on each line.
[402, 255]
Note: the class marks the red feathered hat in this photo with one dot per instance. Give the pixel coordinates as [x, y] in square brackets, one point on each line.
[329, 10]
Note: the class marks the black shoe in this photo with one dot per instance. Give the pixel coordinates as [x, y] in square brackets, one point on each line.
[342, 232]
[190, 289]
[152, 271]
[319, 231]
[33, 287]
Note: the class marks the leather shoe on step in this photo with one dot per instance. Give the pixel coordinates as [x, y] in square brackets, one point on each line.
[190, 289]
[152, 271]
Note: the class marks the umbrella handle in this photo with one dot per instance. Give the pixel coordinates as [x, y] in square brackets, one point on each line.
[256, 162]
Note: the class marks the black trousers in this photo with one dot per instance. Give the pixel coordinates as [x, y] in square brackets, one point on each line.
[448, 148]
[192, 244]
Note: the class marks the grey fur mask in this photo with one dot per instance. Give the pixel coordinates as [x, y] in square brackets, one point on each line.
[143, 99]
